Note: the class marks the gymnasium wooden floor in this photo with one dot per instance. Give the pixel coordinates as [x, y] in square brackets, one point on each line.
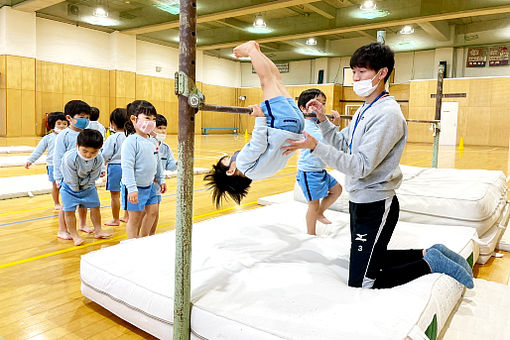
[40, 276]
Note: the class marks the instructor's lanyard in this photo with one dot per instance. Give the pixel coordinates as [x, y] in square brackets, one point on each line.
[360, 116]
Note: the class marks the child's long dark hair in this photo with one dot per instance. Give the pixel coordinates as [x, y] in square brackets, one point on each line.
[119, 117]
[222, 185]
[134, 109]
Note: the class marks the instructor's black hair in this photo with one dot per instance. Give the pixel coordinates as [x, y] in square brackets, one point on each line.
[374, 56]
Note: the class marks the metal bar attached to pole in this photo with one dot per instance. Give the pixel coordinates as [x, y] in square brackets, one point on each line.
[437, 127]
[226, 109]
[185, 151]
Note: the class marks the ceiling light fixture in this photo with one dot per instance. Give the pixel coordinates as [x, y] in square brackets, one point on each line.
[259, 22]
[368, 5]
[100, 12]
[311, 41]
[407, 29]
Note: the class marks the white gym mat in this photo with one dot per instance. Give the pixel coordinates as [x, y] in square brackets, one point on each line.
[482, 313]
[19, 161]
[16, 149]
[21, 186]
[257, 275]
[471, 198]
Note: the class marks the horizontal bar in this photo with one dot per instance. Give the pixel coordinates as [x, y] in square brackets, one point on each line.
[423, 121]
[226, 109]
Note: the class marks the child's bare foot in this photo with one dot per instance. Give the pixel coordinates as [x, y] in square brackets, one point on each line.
[78, 241]
[102, 234]
[323, 219]
[57, 206]
[64, 235]
[86, 229]
[113, 223]
[244, 50]
[124, 219]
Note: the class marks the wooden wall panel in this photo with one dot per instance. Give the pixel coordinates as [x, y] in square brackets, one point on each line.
[219, 95]
[14, 111]
[500, 92]
[3, 68]
[28, 74]
[13, 72]
[3, 97]
[73, 81]
[29, 124]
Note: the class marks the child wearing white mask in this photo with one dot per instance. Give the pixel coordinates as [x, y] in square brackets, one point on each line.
[80, 169]
[56, 122]
[368, 152]
[140, 169]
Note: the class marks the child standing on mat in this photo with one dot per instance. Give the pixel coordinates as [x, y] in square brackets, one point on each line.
[77, 114]
[320, 188]
[56, 122]
[276, 119]
[140, 169]
[368, 152]
[80, 169]
[111, 155]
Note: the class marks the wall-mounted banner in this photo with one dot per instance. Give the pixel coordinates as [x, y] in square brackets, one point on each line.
[477, 57]
[498, 56]
[282, 67]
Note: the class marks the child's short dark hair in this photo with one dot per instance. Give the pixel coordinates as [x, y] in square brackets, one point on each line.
[94, 113]
[53, 117]
[308, 95]
[75, 107]
[374, 56]
[90, 138]
[119, 117]
[222, 185]
[134, 109]
[161, 120]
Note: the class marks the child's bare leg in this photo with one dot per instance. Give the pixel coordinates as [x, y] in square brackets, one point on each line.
[126, 217]
[115, 209]
[311, 216]
[151, 212]
[134, 223]
[54, 195]
[71, 226]
[270, 79]
[82, 213]
[95, 216]
[155, 224]
[62, 228]
[326, 202]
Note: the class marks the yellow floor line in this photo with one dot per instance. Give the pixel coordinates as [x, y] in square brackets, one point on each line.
[118, 237]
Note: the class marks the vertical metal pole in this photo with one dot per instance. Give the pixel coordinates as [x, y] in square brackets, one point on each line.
[184, 206]
[437, 127]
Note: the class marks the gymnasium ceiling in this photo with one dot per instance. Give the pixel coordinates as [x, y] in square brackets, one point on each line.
[339, 26]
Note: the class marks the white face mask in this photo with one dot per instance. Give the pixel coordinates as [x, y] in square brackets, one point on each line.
[364, 88]
[56, 129]
[160, 137]
[83, 157]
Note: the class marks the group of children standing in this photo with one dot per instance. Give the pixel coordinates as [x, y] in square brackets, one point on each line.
[135, 157]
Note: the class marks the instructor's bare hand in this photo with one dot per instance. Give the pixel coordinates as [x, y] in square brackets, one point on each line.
[316, 107]
[256, 111]
[308, 143]
[336, 117]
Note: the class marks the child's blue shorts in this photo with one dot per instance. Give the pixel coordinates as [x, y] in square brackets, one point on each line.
[315, 184]
[282, 113]
[114, 174]
[146, 196]
[87, 198]
[49, 171]
[157, 187]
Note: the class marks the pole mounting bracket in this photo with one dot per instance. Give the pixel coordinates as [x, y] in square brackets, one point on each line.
[185, 86]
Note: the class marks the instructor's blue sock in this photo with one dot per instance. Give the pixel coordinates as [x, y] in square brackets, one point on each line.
[454, 257]
[441, 264]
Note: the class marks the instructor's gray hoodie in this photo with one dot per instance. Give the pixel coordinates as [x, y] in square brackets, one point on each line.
[372, 169]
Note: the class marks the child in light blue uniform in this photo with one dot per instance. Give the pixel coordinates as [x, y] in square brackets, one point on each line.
[277, 119]
[319, 187]
[57, 122]
[165, 157]
[111, 155]
[80, 169]
[140, 169]
[94, 124]
[77, 114]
